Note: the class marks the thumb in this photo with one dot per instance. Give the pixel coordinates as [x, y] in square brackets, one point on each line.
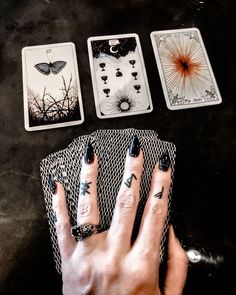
[177, 266]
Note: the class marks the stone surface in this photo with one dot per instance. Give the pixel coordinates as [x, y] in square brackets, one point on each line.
[205, 137]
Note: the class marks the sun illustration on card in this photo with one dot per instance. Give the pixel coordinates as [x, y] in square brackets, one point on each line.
[122, 103]
[126, 100]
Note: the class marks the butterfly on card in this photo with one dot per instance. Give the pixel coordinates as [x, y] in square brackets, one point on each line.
[51, 67]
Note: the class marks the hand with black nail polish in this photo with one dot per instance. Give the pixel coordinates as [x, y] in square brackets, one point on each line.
[94, 261]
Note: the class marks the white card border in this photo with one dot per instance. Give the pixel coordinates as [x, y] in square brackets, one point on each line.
[25, 99]
[95, 92]
[161, 73]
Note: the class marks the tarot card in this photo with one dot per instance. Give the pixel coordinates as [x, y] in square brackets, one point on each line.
[51, 87]
[185, 70]
[119, 78]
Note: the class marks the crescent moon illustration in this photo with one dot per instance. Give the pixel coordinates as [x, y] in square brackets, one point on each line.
[113, 51]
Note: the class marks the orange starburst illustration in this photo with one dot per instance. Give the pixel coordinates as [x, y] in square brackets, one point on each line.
[184, 65]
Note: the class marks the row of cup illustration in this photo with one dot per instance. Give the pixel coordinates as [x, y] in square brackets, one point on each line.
[107, 90]
[103, 64]
[119, 74]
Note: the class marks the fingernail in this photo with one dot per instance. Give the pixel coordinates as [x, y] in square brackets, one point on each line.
[134, 147]
[89, 154]
[52, 184]
[164, 161]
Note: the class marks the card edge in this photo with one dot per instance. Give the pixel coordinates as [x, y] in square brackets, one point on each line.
[27, 127]
[53, 126]
[96, 100]
[158, 63]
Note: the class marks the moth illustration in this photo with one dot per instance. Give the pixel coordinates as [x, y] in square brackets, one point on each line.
[51, 67]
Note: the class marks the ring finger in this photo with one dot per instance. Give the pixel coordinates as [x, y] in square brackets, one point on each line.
[151, 229]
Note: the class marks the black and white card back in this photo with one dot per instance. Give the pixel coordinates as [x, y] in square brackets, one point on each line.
[51, 87]
[119, 78]
[185, 70]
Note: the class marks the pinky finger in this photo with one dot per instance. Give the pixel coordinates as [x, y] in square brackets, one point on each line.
[177, 266]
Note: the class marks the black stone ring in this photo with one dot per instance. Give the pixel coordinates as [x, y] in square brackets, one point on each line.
[83, 231]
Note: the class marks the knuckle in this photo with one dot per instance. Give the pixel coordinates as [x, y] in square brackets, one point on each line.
[88, 176]
[162, 181]
[146, 251]
[62, 227]
[84, 275]
[89, 170]
[58, 205]
[134, 167]
[110, 271]
[147, 254]
[126, 203]
[84, 209]
[140, 274]
[158, 210]
[161, 176]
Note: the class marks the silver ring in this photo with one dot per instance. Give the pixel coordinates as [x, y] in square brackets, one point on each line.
[83, 231]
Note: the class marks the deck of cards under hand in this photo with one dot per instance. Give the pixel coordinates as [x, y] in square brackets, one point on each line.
[52, 96]
[120, 83]
[65, 166]
[185, 71]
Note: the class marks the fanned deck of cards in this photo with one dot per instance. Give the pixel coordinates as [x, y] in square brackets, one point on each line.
[65, 165]
[185, 70]
[119, 78]
[51, 86]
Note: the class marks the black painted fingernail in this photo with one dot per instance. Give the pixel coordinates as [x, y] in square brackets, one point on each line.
[134, 147]
[164, 161]
[52, 184]
[89, 154]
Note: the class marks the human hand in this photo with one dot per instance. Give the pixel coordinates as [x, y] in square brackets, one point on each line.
[108, 262]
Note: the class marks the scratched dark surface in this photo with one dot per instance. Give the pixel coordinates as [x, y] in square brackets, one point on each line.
[204, 137]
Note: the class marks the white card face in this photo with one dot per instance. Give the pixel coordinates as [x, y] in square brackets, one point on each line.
[185, 71]
[120, 83]
[52, 95]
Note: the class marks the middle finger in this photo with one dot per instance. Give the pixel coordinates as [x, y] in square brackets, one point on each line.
[127, 200]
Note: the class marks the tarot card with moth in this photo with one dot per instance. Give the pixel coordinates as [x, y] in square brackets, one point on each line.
[51, 87]
[185, 70]
[119, 78]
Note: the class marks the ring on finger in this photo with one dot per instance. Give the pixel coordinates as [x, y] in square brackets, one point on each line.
[84, 231]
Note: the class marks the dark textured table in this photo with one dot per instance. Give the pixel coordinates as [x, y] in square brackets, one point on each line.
[204, 137]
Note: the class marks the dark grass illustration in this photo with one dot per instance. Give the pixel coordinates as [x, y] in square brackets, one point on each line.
[46, 109]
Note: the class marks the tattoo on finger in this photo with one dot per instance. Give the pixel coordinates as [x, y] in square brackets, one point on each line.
[129, 180]
[84, 210]
[54, 216]
[84, 188]
[126, 201]
[159, 195]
